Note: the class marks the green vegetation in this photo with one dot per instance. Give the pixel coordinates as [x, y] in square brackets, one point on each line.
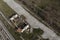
[10, 29]
[6, 9]
[37, 31]
[32, 36]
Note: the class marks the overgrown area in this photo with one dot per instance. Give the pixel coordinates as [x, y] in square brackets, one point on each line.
[50, 12]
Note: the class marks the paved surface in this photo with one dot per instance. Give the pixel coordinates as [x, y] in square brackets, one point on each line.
[48, 33]
[5, 33]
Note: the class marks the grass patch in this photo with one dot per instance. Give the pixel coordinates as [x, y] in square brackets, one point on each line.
[7, 11]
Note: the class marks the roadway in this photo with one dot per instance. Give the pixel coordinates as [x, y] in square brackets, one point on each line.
[48, 33]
